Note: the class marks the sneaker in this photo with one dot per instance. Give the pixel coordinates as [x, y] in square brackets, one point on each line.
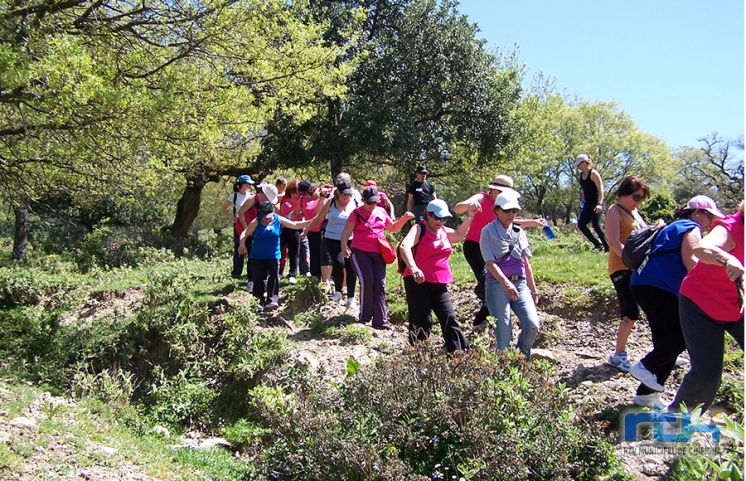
[641, 373]
[336, 297]
[260, 309]
[383, 327]
[250, 286]
[308, 274]
[292, 280]
[681, 362]
[652, 400]
[351, 302]
[271, 306]
[620, 361]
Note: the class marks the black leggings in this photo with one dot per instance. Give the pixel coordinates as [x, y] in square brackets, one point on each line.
[314, 252]
[473, 256]
[588, 215]
[291, 238]
[421, 299]
[332, 255]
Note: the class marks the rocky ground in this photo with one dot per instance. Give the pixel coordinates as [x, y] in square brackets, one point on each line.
[577, 341]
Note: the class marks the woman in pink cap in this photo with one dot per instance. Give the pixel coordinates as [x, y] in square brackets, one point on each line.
[655, 288]
[711, 304]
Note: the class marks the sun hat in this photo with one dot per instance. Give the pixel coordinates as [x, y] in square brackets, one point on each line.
[265, 210]
[507, 201]
[504, 184]
[582, 158]
[244, 179]
[439, 208]
[270, 191]
[370, 195]
[704, 203]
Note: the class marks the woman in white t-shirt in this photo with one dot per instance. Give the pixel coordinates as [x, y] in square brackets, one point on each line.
[231, 207]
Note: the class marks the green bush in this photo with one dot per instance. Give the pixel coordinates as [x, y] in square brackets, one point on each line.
[660, 206]
[22, 286]
[424, 415]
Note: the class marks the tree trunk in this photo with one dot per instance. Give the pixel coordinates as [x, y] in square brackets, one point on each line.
[20, 237]
[188, 206]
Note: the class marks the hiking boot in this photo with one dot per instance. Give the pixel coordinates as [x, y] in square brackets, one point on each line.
[641, 373]
[481, 327]
[620, 361]
[336, 297]
[652, 400]
[383, 327]
[271, 306]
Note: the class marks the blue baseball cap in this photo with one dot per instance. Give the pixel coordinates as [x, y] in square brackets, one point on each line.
[439, 208]
[244, 179]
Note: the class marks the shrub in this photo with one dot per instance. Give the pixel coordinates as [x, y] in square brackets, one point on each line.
[660, 206]
[424, 415]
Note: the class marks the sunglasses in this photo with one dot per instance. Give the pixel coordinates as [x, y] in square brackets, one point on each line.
[436, 217]
[346, 195]
[511, 211]
[638, 197]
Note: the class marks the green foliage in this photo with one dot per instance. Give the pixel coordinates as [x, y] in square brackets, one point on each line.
[660, 206]
[425, 415]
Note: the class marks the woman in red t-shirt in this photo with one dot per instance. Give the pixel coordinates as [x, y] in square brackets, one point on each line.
[711, 304]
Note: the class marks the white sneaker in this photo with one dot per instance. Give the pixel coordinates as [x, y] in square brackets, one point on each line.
[620, 361]
[652, 400]
[641, 373]
[681, 362]
[292, 280]
[351, 302]
[336, 297]
[250, 286]
[308, 274]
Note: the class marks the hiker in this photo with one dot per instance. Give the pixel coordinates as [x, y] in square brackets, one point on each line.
[336, 212]
[655, 288]
[621, 219]
[231, 207]
[385, 202]
[290, 208]
[419, 193]
[483, 203]
[368, 223]
[711, 304]
[264, 193]
[266, 230]
[510, 281]
[425, 251]
[591, 201]
[311, 238]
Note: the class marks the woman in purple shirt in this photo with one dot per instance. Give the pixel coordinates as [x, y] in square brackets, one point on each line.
[510, 281]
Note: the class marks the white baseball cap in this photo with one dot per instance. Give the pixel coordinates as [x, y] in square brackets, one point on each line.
[507, 201]
[270, 191]
[582, 158]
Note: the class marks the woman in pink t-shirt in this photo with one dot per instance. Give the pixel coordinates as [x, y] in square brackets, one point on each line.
[368, 223]
[426, 250]
[711, 304]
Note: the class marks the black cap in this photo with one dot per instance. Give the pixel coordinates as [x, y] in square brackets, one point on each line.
[304, 186]
[370, 195]
[344, 188]
[421, 170]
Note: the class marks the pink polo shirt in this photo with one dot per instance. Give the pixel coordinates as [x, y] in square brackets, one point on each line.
[431, 255]
[708, 286]
[364, 238]
[481, 219]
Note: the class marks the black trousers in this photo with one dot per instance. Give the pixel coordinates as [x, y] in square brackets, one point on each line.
[314, 251]
[662, 310]
[266, 271]
[332, 255]
[421, 299]
[291, 239]
[587, 215]
[473, 256]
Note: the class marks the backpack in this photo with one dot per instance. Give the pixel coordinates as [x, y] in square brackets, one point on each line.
[638, 248]
[400, 264]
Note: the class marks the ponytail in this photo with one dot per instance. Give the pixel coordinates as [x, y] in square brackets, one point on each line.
[683, 213]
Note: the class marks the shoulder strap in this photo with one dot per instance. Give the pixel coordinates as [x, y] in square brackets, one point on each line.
[235, 200]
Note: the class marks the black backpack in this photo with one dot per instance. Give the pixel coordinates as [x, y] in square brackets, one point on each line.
[637, 249]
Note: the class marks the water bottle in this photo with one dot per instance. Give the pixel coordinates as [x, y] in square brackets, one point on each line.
[582, 204]
[548, 232]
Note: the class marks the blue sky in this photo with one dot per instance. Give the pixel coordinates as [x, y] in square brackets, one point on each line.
[676, 67]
